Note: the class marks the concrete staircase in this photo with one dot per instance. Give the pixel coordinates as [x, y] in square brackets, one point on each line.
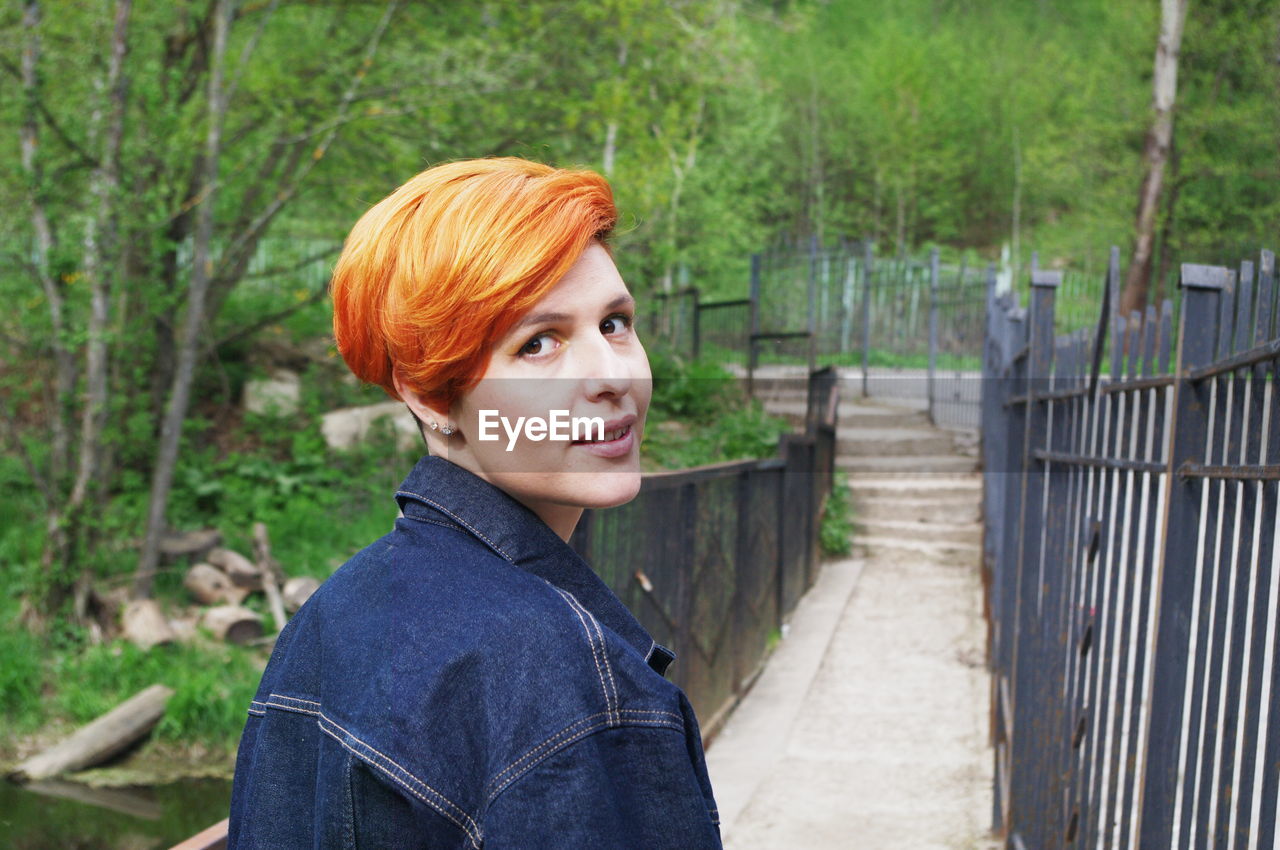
[915, 487]
[868, 727]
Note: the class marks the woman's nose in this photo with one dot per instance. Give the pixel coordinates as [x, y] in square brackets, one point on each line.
[605, 370]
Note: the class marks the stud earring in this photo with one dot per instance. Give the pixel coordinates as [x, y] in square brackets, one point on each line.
[434, 426]
[446, 430]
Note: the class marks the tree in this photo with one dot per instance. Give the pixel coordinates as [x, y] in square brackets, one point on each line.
[1173, 15]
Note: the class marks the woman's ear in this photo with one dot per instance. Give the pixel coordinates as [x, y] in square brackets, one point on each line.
[411, 397]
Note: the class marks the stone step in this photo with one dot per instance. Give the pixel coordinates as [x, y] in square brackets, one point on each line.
[892, 441]
[962, 508]
[925, 530]
[867, 487]
[869, 544]
[906, 465]
[853, 414]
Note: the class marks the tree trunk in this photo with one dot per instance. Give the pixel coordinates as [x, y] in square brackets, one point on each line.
[93, 744]
[100, 237]
[56, 554]
[611, 128]
[201, 267]
[1016, 250]
[1173, 15]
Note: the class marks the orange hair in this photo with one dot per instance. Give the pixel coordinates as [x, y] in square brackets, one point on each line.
[432, 276]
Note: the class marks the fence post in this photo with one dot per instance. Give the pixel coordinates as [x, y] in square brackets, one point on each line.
[754, 329]
[933, 328]
[867, 259]
[1203, 286]
[812, 323]
[846, 300]
[697, 321]
[1030, 819]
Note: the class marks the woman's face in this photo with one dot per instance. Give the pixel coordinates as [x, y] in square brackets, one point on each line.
[574, 355]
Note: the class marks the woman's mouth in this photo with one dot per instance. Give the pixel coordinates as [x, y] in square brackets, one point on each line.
[616, 443]
[609, 436]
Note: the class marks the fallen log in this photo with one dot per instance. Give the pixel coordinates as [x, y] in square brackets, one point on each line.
[241, 571]
[189, 543]
[233, 623]
[210, 585]
[145, 624]
[110, 734]
[298, 590]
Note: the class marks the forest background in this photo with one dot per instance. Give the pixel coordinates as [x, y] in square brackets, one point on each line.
[169, 170]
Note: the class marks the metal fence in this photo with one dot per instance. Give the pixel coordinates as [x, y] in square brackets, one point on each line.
[713, 559]
[914, 325]
[1132, 569]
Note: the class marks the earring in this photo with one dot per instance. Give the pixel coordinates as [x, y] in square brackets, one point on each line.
[434, 426]
[446, 430]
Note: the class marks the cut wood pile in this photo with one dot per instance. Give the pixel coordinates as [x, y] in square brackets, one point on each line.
[220, 580]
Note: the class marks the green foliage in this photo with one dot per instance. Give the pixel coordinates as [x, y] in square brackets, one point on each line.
[20, 674]
[212, 686]
[692, 390]
[700, 415]
[836, 525]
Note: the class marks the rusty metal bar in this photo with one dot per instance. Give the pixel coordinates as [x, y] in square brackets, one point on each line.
[1121, 464]
[1254, 472]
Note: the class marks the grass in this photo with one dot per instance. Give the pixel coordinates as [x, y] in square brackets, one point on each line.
[700, 414]
[836, 525]
[277, 470]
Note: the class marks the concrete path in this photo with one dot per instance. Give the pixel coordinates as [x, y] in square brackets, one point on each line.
[868, 726]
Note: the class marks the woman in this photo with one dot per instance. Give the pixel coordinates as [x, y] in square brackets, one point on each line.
[467, 680]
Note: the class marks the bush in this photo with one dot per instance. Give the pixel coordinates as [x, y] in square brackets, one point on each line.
[700, 415]
[836, 524]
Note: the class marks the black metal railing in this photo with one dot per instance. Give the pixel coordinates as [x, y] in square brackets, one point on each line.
[713, 559]
[1132, 570]
[913, 325]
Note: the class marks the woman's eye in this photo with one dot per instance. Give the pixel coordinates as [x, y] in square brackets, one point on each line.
[535, 346]
[616, 323]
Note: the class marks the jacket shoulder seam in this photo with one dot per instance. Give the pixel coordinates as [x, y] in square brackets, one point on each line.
[376, 759]
[575, 732]
[599, 654]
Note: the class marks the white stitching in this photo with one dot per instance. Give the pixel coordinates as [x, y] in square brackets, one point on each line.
[566, 737]
[608, 668]
[438, 522]
[474, 826]
[568, 729]
[464, 523]
[308, 711]
[399, 781]
[400, 768]
[591, 641]
[277, 701]
[604, 651]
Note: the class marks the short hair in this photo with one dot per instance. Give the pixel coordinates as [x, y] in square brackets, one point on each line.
[432, 276]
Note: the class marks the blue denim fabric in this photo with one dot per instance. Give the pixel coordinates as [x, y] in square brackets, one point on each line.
[468, 681]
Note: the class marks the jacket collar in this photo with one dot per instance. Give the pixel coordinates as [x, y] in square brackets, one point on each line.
[441, 488]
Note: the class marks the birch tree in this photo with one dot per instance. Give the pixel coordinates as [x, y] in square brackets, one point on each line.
[1155, 154]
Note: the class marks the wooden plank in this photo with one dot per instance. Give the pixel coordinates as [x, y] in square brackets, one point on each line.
[213, 838]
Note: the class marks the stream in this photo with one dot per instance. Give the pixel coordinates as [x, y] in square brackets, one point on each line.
[60, 815]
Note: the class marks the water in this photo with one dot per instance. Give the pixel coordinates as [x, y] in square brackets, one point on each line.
[60, 818]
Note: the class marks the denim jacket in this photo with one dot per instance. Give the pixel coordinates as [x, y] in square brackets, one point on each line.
[468, 681]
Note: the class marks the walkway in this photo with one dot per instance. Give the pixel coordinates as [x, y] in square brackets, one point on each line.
[868, 726]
